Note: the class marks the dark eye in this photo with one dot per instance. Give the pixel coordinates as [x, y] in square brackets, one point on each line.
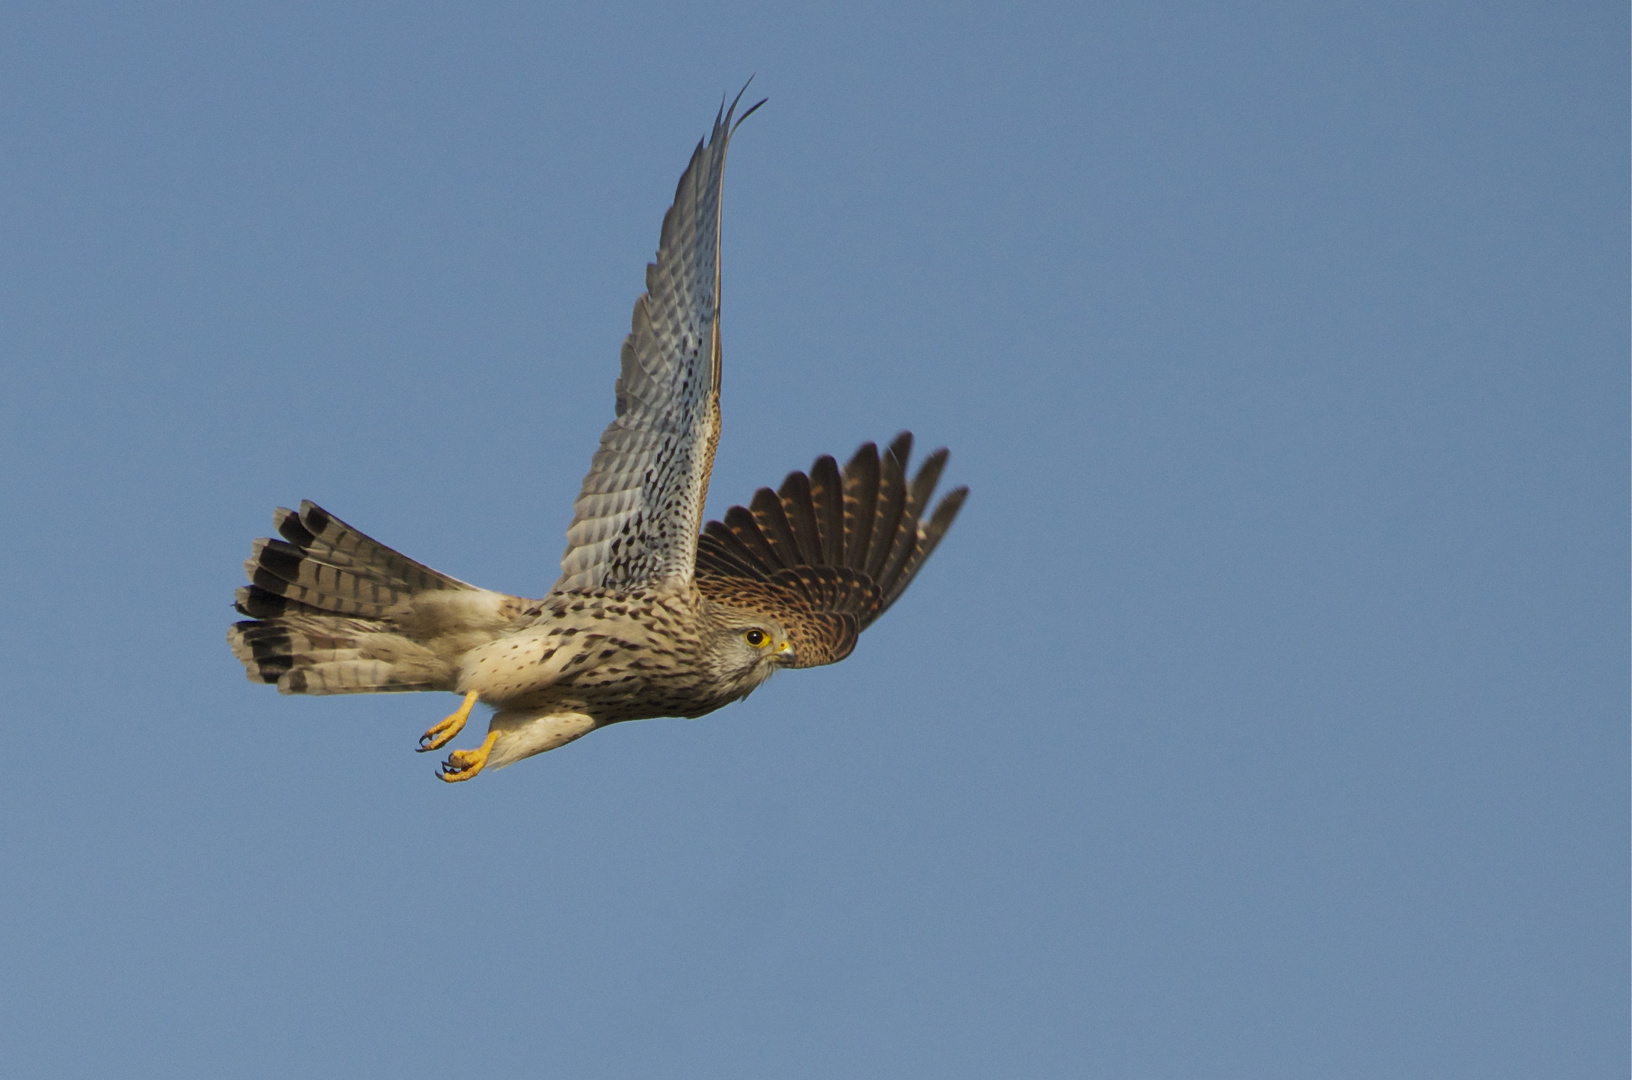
[756, 638]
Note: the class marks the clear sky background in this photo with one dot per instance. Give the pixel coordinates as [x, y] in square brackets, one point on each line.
[1264, 715]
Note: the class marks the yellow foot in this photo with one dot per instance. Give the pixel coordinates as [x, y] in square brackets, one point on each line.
[442, 734]
[464, 764]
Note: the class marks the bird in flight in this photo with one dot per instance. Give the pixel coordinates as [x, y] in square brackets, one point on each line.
[654, 614]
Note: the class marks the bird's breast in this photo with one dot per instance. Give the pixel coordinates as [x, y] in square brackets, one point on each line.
[616, 656]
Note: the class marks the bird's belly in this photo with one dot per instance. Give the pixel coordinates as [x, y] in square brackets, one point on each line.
[605, 678]
[513, 670]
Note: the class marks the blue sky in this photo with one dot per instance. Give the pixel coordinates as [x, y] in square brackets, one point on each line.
[1264, 714]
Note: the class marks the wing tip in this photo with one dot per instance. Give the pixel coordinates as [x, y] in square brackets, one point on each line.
[723, 119]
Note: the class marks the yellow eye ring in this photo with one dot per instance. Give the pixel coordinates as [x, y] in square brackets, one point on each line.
[757, 638]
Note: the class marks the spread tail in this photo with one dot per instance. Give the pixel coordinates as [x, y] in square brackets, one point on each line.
[332, 611]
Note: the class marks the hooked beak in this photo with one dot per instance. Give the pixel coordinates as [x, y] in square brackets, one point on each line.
[784, 653]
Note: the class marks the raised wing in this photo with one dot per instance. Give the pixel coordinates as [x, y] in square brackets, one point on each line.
[829, 552]
[636, 519]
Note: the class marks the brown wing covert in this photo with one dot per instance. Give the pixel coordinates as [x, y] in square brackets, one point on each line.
[829, 551]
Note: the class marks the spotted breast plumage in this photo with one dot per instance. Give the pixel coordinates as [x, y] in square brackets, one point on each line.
[654, 614]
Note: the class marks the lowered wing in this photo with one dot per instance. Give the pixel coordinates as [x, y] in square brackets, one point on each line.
[829, 552]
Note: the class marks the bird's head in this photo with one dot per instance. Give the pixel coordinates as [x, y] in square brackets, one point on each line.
[748, 647]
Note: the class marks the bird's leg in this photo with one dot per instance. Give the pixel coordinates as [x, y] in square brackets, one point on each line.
[441, 734]
[464, 764]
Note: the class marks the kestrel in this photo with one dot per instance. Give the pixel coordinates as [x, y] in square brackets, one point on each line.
[653, 615]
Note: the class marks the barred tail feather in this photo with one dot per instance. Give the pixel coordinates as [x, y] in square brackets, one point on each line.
[332, 611]
[322, 654]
